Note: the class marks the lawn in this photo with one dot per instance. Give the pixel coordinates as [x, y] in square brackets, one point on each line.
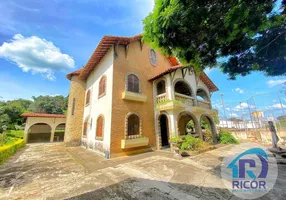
[13, 141]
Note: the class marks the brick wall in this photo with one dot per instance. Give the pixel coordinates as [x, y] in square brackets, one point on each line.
[137, 61]
[74, 122]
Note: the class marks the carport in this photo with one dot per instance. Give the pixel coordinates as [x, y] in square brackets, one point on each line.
[42, 127]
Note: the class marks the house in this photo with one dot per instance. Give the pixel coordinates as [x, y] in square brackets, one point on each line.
[129, 98]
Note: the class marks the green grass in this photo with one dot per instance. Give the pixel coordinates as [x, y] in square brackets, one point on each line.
[15, 133]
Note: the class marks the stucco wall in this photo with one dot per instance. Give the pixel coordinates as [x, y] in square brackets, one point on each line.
[74, 122]
[135, 61]
[99, 106]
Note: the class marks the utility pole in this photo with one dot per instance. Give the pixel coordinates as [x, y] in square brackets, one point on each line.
[222, 101]
[281, 103]
[241, 109]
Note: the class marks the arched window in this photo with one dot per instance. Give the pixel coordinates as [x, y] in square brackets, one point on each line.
[99, 127]
[153, 57]
[133, 83]
[161, 88]
[102, 86]
[85, 129]
[183, 88]
[133, 125]
[87, 98]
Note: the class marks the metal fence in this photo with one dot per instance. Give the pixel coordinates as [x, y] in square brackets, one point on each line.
[254, 113]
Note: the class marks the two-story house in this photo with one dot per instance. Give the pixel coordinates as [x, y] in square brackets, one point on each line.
[129, 98]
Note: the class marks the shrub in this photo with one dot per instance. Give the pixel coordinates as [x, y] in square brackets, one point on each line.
[8, 150]
[208, 137]
[226, 137]
[176, 140]
[192, 143]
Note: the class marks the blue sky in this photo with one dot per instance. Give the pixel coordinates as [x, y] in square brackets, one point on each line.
[67, 31]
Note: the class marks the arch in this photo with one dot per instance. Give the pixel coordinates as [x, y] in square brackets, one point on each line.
[211, 126]
[161, 87]
[99, 128]
[87, 98]
[201, 94]
[59, 134]
[85, 126]
[164, 133]
[184, 125]
[39, 132]
[182, 87]
[102, 86]
[133, 125]
[132, 83]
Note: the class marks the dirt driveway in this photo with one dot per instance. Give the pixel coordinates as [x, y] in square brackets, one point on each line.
[51, 171]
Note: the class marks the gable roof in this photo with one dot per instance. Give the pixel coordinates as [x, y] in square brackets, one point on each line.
[205, 79]
[101, 50]
[108, 41]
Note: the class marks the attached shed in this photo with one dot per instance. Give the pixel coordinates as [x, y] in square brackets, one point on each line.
[42, 127]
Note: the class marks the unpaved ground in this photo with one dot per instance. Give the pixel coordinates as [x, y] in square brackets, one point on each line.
[51, 171]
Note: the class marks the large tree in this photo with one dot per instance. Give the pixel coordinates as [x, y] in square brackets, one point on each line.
[243, 35]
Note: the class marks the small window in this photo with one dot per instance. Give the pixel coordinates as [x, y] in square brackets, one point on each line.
[87, 99]
[133, 83]
[102, 86]
[85, 129]
[73, 106]
[133, 125]
[99, 127]
[153, 57]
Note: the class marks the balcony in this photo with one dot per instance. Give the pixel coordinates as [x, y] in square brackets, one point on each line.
[186, 100]
[204, 104]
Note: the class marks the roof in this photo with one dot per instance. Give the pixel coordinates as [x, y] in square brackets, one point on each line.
[101, 50]
[75, 73]
[43, 115]
[205, 79]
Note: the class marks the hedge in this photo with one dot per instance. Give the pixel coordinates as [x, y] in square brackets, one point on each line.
[8, 150]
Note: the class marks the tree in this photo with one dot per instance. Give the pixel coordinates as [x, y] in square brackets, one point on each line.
[244, 35]
[49, 104]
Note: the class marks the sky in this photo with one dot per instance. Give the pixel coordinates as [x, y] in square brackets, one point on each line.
[41, 41]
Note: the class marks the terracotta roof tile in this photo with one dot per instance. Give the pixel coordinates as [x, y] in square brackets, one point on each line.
[43, 115]
[75, 73]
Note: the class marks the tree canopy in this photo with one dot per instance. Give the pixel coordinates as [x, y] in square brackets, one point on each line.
[240, 36]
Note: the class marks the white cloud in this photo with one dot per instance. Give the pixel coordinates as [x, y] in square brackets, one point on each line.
[273, 83]
[239, 90]
[242, 105]
[36, 55]
[233, 115]
[278, 105]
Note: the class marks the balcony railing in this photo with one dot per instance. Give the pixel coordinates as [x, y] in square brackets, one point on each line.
[187, 100]
[204, 104]
[161, 98]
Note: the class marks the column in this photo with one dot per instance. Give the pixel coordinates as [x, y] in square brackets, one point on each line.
[52, 135]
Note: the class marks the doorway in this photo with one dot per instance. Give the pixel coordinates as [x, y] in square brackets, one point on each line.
[164, 130]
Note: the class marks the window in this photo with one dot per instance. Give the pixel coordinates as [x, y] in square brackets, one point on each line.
[87, 98]
[133, 83]
[102, 86]
[99, 127]
[73, 106]
[161, 88]
[153, 57]
[85, 129]
[133, 125]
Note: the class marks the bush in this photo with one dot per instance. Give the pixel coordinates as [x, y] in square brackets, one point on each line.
[15, 134]
[8, 150]
[176, 140]
[226, 137]
[208, 137]
[192, 143]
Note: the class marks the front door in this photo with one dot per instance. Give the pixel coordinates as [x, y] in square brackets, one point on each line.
[164, 130]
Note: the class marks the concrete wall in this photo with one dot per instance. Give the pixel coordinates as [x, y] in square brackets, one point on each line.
[33, 125]
[134, 61]
[99, 105]
[74, 122]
